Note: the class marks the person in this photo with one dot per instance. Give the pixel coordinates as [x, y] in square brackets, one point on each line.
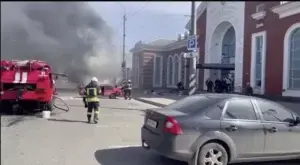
[249, 90]
[218, 84]
[179, 87]
[102, 90]
[209, 85]
[128, 88]
[92, 93]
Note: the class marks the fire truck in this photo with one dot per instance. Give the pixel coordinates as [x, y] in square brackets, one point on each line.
[26, 85]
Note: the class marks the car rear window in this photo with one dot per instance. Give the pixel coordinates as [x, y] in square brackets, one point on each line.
[191, 104]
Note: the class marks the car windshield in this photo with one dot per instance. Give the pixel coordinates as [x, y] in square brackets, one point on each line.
[191, 104]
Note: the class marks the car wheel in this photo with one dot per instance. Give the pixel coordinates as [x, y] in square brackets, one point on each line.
[212, 154]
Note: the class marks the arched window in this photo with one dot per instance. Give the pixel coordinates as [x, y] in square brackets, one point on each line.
[176, 69]
[294, 53]
[170, 70]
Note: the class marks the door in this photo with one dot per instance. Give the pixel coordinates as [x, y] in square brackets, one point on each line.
[281, 137]
[242, 124]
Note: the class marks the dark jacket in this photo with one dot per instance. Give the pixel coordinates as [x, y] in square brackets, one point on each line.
[92, 85]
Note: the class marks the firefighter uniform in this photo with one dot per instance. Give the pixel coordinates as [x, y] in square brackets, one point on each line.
[92, 92]
[128, 88]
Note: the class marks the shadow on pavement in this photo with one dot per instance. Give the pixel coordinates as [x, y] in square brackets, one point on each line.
[132, 156]
[15, 119]
[67, 121]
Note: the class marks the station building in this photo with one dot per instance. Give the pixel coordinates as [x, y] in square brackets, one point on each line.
[260, 40]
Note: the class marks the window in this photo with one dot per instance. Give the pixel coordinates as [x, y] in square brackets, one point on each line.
[274, 112]
[260, 7]
[294, 70]
[240, 109]
[258, 59]
[191, 104]
[214, 112]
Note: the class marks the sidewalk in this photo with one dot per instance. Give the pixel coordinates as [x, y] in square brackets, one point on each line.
[156, 100]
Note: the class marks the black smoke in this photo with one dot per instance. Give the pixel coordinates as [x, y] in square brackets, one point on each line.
[70, 36]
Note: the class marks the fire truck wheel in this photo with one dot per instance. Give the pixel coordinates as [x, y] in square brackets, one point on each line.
[50, 105]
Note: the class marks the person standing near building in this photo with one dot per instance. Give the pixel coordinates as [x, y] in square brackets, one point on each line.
[209, 85]
[92, 93]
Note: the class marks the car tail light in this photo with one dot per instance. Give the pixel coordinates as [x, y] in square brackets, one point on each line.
[172, 126]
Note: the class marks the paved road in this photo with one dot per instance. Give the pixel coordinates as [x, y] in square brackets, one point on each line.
[67, 140]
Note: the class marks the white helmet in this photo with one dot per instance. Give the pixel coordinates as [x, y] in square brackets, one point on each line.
[95, 79]
[129, 81]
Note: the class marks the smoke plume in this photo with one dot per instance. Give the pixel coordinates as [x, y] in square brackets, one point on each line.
[70, 36]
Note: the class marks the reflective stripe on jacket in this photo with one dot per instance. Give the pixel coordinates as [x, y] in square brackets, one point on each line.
[92, 94]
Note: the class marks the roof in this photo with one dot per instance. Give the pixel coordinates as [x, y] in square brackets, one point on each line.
[34, 64]
[161, 42]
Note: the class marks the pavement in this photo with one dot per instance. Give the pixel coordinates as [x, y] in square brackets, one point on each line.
[66, 138]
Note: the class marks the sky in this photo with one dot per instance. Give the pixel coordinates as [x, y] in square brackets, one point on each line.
[147, 21]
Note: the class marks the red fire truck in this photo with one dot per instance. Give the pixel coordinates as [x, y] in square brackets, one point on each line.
[27, 85]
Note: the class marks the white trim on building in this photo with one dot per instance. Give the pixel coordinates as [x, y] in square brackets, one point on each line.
[219, 18]
[176, 61]
[170, 71]
[258, 89]
[287, 9]
[159, 85]
[286, 63]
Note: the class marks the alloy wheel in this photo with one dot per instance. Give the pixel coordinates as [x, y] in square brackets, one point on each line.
[213, 157]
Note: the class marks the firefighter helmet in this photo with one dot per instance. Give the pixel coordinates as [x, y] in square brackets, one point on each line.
[95, 79]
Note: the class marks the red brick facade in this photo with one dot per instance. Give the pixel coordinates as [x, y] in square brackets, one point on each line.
[275, 29]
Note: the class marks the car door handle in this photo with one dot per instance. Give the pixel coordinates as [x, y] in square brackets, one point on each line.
[272, 130]
[232, 128]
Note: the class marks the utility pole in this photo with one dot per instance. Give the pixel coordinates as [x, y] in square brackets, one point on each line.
[123, 53]
[192, 61]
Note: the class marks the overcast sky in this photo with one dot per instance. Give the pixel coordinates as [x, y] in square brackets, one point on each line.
[155, 20]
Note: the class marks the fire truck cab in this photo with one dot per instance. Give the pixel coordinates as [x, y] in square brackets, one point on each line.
[26, 85]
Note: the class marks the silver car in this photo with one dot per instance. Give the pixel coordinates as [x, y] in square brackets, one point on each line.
[217, 129]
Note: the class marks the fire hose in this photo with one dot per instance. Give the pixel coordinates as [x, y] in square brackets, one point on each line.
[20, 90]
[60, 108]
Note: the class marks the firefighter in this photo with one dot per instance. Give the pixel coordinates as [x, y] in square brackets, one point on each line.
[128, 88]
[92, 93]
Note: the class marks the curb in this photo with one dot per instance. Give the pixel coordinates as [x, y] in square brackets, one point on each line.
[149, 102]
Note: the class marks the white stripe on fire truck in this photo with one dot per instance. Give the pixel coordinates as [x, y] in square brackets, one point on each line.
[24, 77]
[17, 77]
